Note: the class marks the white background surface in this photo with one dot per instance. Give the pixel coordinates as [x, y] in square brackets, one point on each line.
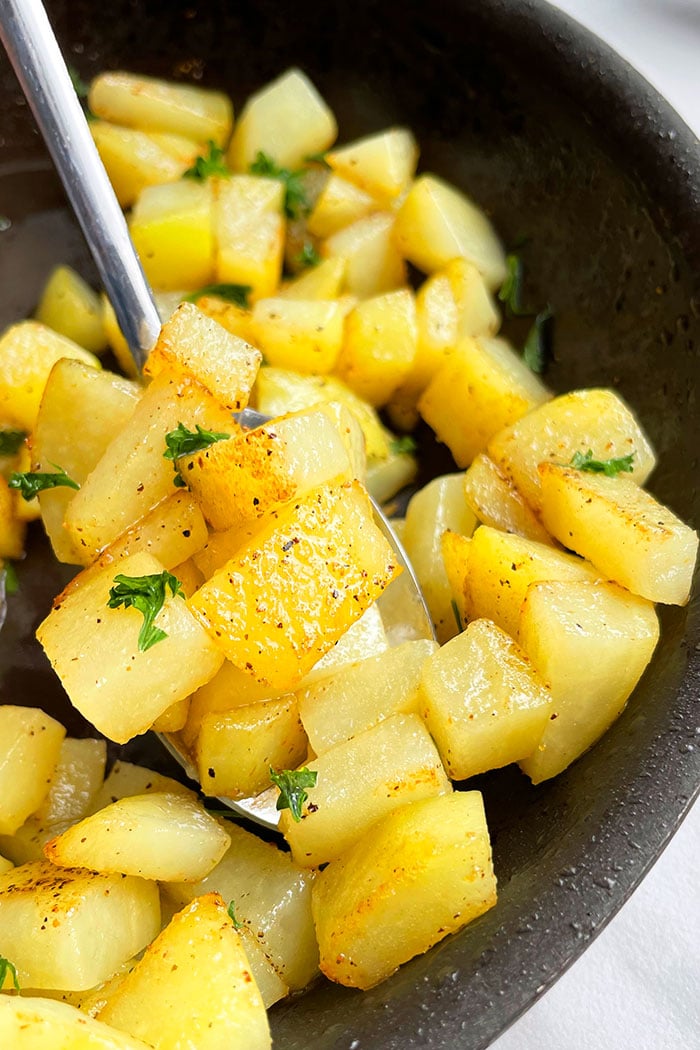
[638, 985]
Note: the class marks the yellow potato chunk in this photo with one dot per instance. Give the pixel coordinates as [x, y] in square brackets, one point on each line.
[287, 119]
[319, 564]
[379, 345]
[71, 928]
[497, 502]
[455, 555]
[194, 978]
[373, 264]
[173, 718]
[250, 232]
[324, 281]
[28, 352]
[94, 651]
[158, 836]
[79, 773]
[126, 779]
[382, 164]
[590, 642]
[623, 530]
[45, 1024]
[12, 528]
[135, 159]
[482, 701]
[70, 307]
[302, 334]
[437, 223]
[425, 871]
[360, 781]
[31, 746]
[598, 420]
[157, 105]
[173, 232]
[339, 204]
[197, 347]
[481, 387]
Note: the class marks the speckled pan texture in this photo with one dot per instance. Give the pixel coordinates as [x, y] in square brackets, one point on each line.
[585, 166]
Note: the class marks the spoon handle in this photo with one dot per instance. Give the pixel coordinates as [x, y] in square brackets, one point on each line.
[34, 53]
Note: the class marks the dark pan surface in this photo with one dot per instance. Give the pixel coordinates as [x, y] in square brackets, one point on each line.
[570, 150]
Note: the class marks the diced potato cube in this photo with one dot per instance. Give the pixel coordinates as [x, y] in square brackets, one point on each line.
[388, 475]
[31, 746]
[455, 555]
[590, 642]
[235, 749]
[623, 530]
[235, 319]
[79, 773]
[359, 782]
[64, 951]
[423, 872]
[598, 420]
[5, 865]
[250, 231]
[437, 223]
[157, 105]
[173, 232]
[12, 528]
[158, 836]
[339, 204]
[497, 502]
[354, 698]
[135, 159]
[126, 779]
[229, 688]
[324, 281]
[28, 352]
[482, 701]
[319, 564]
[481, 387]
[287, 119]
[194, 978]
[438, 506]
[93, 649]
[374, 265]
[365, 638]
[382, 164]
[379, 345]
[70, 307]
[302, 334]
[197, 347]
[173, 718]
[45, 1024]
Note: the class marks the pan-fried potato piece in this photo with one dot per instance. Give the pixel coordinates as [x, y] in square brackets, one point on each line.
[194, 978]
[173, 718]
[324, 281]
[438, 506]
[156, 105]
[133, 476]
[235, 748]
[623, 530]
[45, 1024]
[172, 228]
[598, 420]
[382, 164]
[64, 952]
[94, 651]
[31, 747]
[354, 698]
[249, 228]
[72, 308]
[135, 159]
[12, 529]
[287, 119]
[361, 780]
[379, 345]
[272, 898]
[497, 502]
[502, 566]
[303, 334]
[5, 865]
[482, 701]
[423, 872]
[319, 565]
[198, 347]
[455, 555]
[126, 778]
[339, 204]
[436, 223]
[156, 836]
[590, 642]
[373, 263]
[481, 387]
[79, 773]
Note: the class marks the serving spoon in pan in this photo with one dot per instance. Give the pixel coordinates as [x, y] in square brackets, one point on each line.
[38, 63]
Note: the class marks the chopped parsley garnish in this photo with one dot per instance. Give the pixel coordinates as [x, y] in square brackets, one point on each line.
[402, 446]
[207, 164]
[610, 467]
[11, 581]
[147, 594]
[11, 441]
[292, 784]
[536, 349]
[318, 158]
[6, 967]
[308, 256]
[184, 442]
[232, 293]
[457, 617]
[232, 915]
[296, 202]
[31, 483]
[511, 291]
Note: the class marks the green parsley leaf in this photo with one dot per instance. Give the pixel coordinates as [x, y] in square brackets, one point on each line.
[291, 784]
[6, 967]
[536, 349]
[147, 594]
[610, 467]
[404, 445]
[308, 256]
[207, 164]
[232, 293]
[232, 915]
[296, 202]
[184, 442]
[11, 441]
[457, 617]
[30, 483]
[80, 86]
[511, 291]
[11, 581]
[318, 158]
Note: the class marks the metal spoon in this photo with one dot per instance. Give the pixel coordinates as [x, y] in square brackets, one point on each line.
[38, 63]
